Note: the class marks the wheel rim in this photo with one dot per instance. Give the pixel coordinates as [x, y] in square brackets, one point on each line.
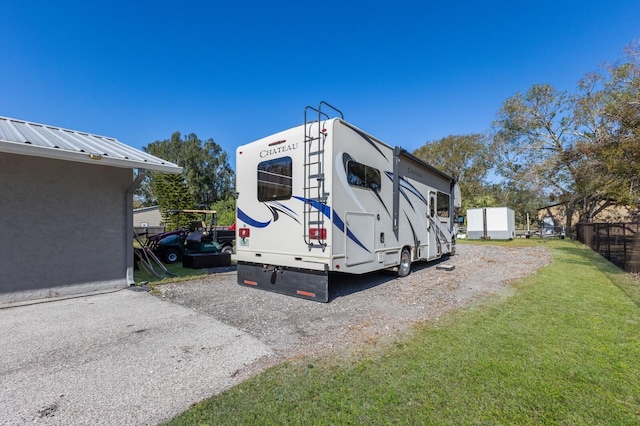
[405, 263]
[172, 257]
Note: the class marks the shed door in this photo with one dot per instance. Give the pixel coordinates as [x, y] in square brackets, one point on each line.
[359, 238]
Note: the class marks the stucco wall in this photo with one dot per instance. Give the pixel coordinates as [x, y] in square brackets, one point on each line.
[64, 227]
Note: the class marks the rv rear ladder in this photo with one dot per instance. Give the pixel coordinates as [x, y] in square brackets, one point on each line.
[315, 196]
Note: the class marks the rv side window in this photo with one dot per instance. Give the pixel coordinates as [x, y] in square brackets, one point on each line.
[274, 179]
[443, 204]
[363, 176]
[432, 205]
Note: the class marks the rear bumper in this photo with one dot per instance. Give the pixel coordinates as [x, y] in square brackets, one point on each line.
[297, 282]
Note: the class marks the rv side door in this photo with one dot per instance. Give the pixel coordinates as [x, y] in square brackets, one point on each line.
[434, 247]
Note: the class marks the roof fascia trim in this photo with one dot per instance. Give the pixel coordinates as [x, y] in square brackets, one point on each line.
[84, 157]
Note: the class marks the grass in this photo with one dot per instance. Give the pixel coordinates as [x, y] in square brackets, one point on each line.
[177, 272]
[181, 274]
[563, 348]
[516, 242]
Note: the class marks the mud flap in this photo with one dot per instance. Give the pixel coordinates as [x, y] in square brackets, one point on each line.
[303, 283]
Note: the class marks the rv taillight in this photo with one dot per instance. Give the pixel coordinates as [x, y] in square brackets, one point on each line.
[318, 233]
[244, 232]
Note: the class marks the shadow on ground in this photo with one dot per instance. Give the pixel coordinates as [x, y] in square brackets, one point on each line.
[341, 284]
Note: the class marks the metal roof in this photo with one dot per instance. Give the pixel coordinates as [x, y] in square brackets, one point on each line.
[41, 140]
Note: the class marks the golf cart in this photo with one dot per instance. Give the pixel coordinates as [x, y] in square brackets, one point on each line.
[194, 240]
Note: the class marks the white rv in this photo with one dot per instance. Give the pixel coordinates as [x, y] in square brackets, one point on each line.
[327, 197]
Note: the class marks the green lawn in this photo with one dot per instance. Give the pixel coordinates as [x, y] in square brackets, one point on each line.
[564, 348]
[176, 271]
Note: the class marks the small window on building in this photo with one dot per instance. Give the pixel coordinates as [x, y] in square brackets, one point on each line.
[363, 176]
[443, 204]
[274, 179]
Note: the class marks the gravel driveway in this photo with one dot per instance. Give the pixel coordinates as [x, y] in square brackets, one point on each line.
[134, 358]
[362, 309]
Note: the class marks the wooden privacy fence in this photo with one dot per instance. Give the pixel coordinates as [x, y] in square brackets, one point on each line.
[617, 242]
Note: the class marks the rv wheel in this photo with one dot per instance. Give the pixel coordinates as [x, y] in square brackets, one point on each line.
[405, 263]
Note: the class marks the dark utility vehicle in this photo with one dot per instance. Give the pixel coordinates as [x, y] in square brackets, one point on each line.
[199, 237]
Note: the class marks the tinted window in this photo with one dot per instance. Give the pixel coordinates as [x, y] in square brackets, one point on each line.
[274, 179]
[443, 204]
[432, 205]
[363, 176]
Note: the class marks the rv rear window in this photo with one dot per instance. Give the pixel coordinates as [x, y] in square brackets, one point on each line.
[443, 204]
[274, 179]
[363, 176]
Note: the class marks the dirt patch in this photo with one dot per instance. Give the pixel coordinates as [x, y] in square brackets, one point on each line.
[362, 309]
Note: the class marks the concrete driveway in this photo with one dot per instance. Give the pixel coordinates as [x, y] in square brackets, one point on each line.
[119, 358]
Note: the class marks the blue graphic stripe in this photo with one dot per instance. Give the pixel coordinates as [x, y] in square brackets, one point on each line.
[325, 209]
[406, 197]
[277, 207]
[337, 221]
[340, 225]
[252, 222]
[413, 189]
[283, 206]
[355, 240]
[372, 143]
[406, 185]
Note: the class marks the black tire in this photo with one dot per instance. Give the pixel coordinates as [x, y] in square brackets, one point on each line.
[404, 268]
[171, 255]
[227, 249]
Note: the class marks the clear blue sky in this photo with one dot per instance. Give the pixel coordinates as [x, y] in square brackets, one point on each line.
[407, 72]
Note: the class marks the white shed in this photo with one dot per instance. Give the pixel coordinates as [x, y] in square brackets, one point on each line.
[496, 223]
[66, 202]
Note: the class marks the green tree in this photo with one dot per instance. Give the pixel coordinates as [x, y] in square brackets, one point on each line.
[226, 210]
[619, 152]
[172, 194]
[207, 174]
[466, 158]
[522, 201]
[580, 149]
[542, 146]
[485, 199]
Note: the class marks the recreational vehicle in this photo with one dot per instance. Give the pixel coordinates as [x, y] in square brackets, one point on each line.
[327, 197]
